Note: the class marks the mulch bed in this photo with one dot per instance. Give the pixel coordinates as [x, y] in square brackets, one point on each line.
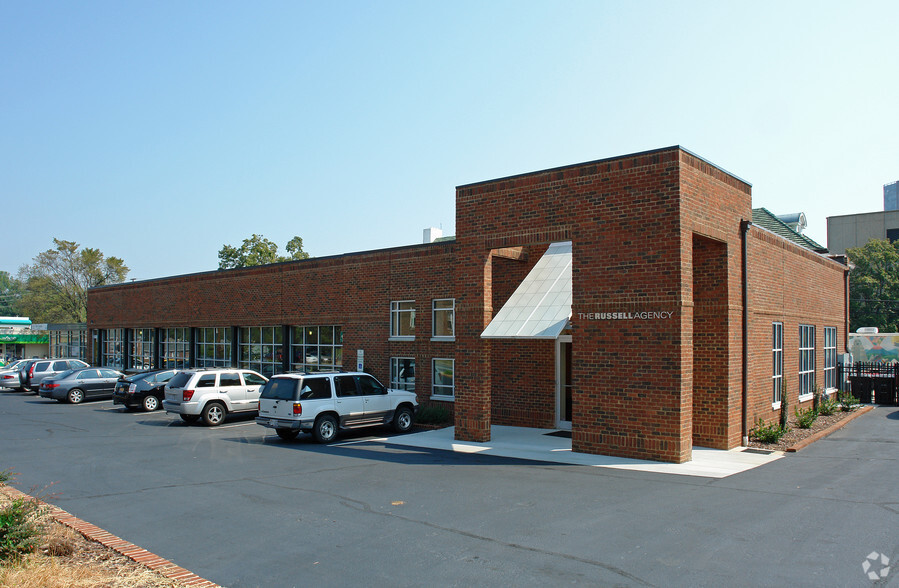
[795, 438]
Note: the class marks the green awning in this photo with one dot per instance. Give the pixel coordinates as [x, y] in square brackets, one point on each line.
[23, 339]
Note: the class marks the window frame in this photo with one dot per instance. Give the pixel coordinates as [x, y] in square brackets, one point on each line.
[254, 344]
[396, 314]
[220, 344]
[806, 362]
[830, 359]
[326, 340]
[395, 382]
[140, 348]
[777, 361]
[174, 348]
[435, 312]
[451, 397]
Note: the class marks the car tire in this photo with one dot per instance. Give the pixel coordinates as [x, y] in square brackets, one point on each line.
[287, 434]
[150, 403]
[214, 414]
[75, 396]
[190, 418]
[402, 420]
[325, 429]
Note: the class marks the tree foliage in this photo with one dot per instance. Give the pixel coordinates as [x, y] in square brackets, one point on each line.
[10, 291]
[55, 285]
[874, 286]
[257, 250]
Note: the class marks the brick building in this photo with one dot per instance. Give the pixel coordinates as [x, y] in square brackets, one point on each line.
[630, 300]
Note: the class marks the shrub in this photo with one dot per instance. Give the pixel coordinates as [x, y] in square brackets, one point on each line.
[20, 528]
[432, 414]
[828, 405]
[805, 418]
[848, 402]
[770, 433]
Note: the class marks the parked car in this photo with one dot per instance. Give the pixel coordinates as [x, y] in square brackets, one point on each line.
[323, 403]
[33, 372]
[9, 375]
[75, 386]
[146, 389]
[212, 393]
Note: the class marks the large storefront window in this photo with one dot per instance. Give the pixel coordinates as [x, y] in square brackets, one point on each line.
[174, 352]
[402, 373]
[141, 349]
[112, 354]
[214, 347]
[443, 387]
[314, 349]
[68, 344]
[260, 349]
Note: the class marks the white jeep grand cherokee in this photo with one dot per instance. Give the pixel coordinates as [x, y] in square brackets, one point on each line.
[212, 393]
[324, 403]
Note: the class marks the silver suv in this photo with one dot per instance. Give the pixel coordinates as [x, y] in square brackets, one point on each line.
[324, 403]
[33, 372]
[212, 393]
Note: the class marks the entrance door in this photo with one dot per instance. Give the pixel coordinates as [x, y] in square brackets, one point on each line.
[563, 382]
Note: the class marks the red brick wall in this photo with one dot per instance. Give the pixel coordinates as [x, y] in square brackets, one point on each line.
[794, 286]
[353, 291]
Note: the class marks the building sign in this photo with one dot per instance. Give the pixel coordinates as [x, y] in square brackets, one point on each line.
[360, 360]
[646, 315]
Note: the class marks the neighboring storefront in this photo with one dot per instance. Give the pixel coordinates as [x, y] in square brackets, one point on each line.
[19, 341]
[628, 300]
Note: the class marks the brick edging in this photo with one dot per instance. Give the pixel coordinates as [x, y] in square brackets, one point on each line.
[130, 550]
[803, 443]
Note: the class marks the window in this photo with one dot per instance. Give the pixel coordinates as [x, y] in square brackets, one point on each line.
[443, 315]
[893, 235]
[345, 386]
[260, 349]
[174, 349]
[141, 349]
[369, 386]
[402, 319]
[111, 354]
[314, 349]
[214, 347]
[229, 380]
[68, 343]
[777, 360]
[253, 380]
[443, 385]
[806, 361]
[402, 373]
[830, 358]
[206, 381]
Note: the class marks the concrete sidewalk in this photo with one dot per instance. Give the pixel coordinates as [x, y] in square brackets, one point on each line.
[542, 445]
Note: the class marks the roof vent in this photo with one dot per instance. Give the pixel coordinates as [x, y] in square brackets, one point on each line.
[432, 234]
[795, 221]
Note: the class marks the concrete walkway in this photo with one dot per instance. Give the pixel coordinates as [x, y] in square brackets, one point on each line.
[538, 445]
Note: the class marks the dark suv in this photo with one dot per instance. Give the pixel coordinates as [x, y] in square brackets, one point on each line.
[146, 389]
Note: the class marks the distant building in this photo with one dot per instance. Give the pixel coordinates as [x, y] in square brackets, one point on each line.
[891, 196]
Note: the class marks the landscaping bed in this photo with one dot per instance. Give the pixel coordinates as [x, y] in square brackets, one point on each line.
[796, 438]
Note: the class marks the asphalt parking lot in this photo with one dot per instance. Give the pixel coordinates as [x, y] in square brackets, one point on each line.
[240, 507]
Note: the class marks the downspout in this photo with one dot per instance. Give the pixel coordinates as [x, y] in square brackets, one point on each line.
[846, 309]
[744, 229]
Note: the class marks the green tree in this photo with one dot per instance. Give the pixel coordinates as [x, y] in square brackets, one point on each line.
[55, 285]
[257, 250]
[874, 286]
[10, 292]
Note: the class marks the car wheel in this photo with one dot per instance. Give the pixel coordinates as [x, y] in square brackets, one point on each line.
[150, 403]
[287, 434]
[213, 414]
[402, 420]
[75, 395]
[190, 418]
[325, 429]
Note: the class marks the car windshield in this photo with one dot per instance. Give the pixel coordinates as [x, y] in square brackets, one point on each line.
[279, 389]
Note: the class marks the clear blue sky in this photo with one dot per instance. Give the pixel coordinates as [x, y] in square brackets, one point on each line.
[158, 131]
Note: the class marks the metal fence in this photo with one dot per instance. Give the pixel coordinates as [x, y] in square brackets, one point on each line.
[871, 382]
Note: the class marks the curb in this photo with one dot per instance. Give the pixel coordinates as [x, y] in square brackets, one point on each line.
[119, 545]
[832, 429]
